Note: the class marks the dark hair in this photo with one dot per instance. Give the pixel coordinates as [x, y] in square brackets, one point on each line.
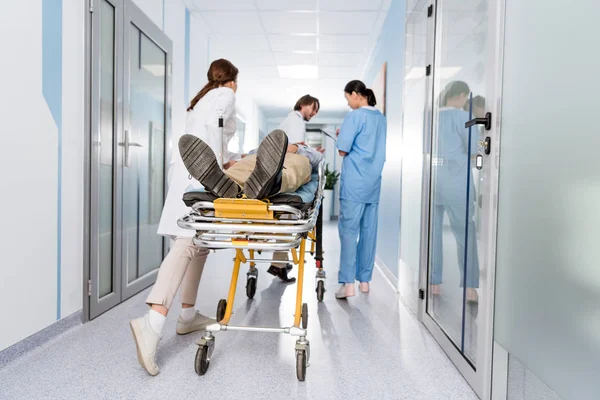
[307, 100]
[220, 72]
[454, 88]
[361, 89]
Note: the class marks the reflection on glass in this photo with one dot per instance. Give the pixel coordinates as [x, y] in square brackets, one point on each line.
[105, 174]
[144, 176]
[459, 81]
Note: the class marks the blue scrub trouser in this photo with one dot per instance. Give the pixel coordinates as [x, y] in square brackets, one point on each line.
[458, 225]
[358, 236]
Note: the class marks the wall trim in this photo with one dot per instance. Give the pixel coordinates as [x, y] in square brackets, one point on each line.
[40, 338]
[387, 274]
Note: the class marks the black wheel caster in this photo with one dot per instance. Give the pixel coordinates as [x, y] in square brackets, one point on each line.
[301, 365]
[221, 309]
[201, 363]
[320, 290]
[251, 287]
[304, 316]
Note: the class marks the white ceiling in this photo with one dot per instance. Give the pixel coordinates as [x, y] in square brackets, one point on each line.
[258, 36]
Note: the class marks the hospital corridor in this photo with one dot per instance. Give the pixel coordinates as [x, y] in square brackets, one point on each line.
[311, 199]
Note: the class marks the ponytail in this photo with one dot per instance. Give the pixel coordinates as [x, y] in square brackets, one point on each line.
[370, 97]
[207, 88]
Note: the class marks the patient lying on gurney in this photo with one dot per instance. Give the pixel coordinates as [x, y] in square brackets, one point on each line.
[275, 167]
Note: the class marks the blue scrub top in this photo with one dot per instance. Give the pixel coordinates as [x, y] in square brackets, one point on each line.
[452, 170]
[363, 137]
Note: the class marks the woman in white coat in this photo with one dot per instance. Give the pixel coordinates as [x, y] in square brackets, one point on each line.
[184, 264]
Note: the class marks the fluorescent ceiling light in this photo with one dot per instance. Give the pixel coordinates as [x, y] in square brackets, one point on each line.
[298, 71]
[442, 72]
[303, 52]
[303, 34]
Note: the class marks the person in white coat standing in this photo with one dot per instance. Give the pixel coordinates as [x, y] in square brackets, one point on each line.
[184, 264]
[294, 125]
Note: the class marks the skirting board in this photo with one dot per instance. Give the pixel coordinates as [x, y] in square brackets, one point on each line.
[36, 340]
[388, 276]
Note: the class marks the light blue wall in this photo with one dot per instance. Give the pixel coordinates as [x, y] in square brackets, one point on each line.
[390, 49]
[52, 37]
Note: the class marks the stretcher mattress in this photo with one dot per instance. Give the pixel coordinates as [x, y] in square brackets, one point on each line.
[190, 198]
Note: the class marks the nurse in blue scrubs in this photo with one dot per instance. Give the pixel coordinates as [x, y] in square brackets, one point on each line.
[361, 142]
[456, 148]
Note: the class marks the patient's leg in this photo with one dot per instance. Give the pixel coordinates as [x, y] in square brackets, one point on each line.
[269, 161]
[241, 170]
[201, 162]
[296, 172]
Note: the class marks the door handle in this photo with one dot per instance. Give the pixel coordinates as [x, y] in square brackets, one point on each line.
[485, 121]
[127, 144]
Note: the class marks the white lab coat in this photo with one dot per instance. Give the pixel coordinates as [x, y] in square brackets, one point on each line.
[295, 127]
[202, 121]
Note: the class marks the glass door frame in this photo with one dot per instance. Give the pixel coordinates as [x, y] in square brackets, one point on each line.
[125, 13]
[135, 16]
[98, 305]
[480, 378]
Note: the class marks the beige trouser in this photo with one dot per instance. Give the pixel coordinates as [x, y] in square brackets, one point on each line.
[183, 267]
[281, 256]
[295, 173]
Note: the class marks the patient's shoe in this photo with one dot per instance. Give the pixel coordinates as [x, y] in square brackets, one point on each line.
[199, 322]
[269, 162]
[346, 290]
[282, 273]
[201, 162]
[146, 341]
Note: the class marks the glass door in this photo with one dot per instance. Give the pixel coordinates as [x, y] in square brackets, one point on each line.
[130, 59]
[142, 148]
[461, 217]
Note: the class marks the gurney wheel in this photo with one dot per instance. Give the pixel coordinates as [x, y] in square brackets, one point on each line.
[304, 316]
[320, 290]
[221, 309]
[201, 363]
[301, 365]
[251, 287]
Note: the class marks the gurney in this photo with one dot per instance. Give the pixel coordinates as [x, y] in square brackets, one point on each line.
[281, 223]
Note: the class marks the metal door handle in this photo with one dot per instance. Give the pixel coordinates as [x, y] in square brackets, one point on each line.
[127, 144]
[486, 121]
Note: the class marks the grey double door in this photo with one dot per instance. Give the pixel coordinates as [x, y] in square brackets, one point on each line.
[130, 85]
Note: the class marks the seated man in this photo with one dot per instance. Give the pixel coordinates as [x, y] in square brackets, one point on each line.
[275, 167]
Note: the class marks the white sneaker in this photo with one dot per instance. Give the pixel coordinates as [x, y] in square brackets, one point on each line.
[146, 341]
[197, 323]
[364, 287]
[346, 290]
